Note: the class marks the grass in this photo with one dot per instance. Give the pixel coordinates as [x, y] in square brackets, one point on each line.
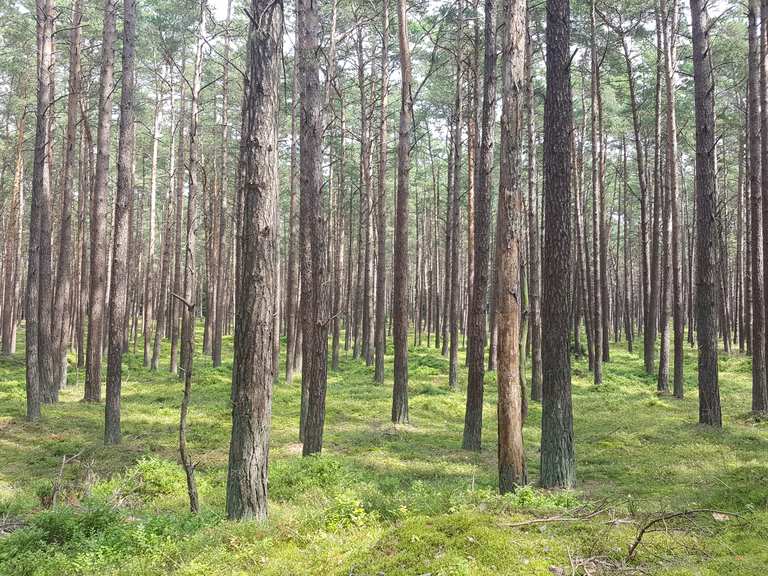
[383, 500]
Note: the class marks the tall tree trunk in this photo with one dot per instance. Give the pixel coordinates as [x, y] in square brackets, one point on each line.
[380, 336]
[190, 271]
[177, 308]
[627, 300]
[165, 302]
[118, 288]
[149, 275]
[365, 207]
[64, 271]
[455, 214]
[706, 206]
[675, 246]
[534, 251]
[12, 257]
[759, 391]
[761, 165]
[640, 162]
[84, 205]
[400, 259]
[37, 380]
[597, 203]
[512, 469]
[473, 416]
[314, 305]
[221, 274]
[98, 273]
[649, 336]
[292, 285]
[253, 367]
[557, 458]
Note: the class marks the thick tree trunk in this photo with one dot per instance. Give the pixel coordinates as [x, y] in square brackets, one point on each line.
[706, 206]
[512, 469]
[37, 380]
[759, 391]
[314, 288]
[761, 165]
[253, 368]
[557, 457]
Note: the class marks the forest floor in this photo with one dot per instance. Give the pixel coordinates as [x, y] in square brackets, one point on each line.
[383, 500]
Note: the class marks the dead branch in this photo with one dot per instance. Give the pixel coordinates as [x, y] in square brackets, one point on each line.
[56, 488]
[665, 517]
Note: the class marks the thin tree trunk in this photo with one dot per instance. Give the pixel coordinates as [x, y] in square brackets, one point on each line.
[292, 286]
[118, 288]
[597, 203]
[381, 214]
[473, 418]
[98, 273]
[455, 215]
[12, 257]
[400, 260]
[64, 271]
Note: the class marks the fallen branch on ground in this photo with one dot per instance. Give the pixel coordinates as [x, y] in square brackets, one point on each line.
[665, 517]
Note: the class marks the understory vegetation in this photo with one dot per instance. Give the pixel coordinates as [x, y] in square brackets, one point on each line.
[384, 499]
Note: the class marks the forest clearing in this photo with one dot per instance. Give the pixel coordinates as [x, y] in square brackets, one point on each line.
[418, 287]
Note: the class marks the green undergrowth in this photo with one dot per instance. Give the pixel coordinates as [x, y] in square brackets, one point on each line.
[383, 499]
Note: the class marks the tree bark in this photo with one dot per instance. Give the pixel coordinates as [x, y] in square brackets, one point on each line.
[37, 380]
[12, 258]
[511, 455]
[534, 250]
[314, 305]
[706, 206]
[455, 215]
[292, 285]
[64, 270]
[98, 273]
[597, 203]
[400, 259]
[557, 457]
[759, 392]
[118, 288]
[253, 368]
[473, 416]
[380, 337]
